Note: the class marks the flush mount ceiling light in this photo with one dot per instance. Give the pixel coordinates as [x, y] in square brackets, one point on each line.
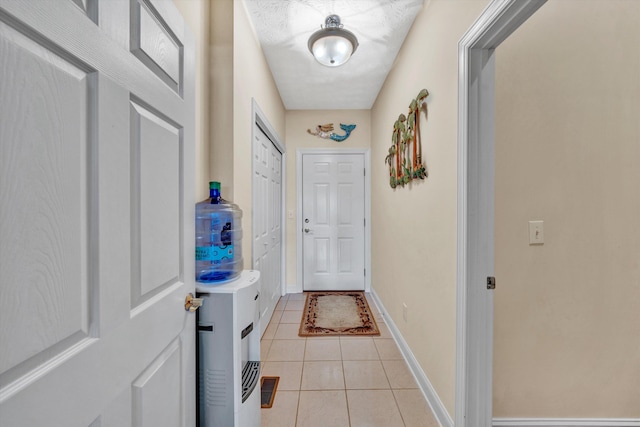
[332, 45]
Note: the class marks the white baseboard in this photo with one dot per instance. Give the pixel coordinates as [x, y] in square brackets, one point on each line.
[566, 422]
[437, 407]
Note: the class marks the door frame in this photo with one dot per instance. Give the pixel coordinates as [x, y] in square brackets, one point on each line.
[475, 245]
[258, 117]
[297, 288]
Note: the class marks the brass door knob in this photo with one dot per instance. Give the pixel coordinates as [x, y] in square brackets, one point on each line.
[191, 304]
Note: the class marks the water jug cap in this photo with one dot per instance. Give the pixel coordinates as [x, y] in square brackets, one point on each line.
[214, 185]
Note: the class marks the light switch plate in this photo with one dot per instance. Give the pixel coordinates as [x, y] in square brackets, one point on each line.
[536, 232]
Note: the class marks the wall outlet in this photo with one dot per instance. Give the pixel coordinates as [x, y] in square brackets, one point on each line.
[404, 312]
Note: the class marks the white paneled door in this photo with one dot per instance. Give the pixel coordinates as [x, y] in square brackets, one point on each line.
[267, 222]
[96, 214]
[333, 221]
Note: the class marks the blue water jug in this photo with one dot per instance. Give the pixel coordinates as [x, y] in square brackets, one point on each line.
[218, 238]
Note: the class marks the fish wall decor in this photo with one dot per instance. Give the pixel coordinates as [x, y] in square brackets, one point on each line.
[326, 132]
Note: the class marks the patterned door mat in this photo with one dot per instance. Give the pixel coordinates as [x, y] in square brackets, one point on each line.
[337, 313]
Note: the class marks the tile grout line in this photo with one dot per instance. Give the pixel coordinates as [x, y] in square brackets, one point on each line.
[300, 384]
[395, 400]
[344, 381]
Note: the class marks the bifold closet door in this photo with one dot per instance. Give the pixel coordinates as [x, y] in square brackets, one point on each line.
[267, 222]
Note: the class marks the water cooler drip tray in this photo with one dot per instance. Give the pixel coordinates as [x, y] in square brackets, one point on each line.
[250, 376]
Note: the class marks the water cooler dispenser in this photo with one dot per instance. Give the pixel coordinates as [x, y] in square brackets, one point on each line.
[229, 353]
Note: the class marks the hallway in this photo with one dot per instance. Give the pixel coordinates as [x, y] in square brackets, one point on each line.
[337, 381]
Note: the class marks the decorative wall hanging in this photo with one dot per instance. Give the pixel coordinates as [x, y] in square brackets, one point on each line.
[405, 154]
[326, 131]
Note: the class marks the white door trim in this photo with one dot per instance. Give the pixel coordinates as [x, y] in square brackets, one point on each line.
[297, 287]
[474, 304]
[566, 422]
[257, 116]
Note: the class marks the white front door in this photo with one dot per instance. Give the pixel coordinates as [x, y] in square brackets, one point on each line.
[267, 222]
[333, 221]
[96, 214]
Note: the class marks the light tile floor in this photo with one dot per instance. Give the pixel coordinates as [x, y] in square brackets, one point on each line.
[337, 381]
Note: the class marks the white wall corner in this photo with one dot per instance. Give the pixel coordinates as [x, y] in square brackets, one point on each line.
[294, 288]
[430, 394]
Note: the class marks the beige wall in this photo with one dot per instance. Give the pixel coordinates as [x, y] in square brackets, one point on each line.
[297, 123]
[196, 15]
[221, 160]
[567, 313]
[414, 228]
[231, 71]
[251, 79]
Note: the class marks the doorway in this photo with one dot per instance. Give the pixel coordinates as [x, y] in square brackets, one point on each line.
[474, 299]
[566, 304]
[333, 212]
[475, 359]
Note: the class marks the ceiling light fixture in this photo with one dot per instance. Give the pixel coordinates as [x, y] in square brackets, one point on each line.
[332, 45]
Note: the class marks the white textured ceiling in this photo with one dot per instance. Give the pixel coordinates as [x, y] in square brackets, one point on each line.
[284, 26]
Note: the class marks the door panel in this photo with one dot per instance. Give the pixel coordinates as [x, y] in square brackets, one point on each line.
[275, 229]
[321, 255]
[45, 176]
[154, 46]
[321, 202]
[267, 222]
[96, 224]
[156, 159]
[333, 221]
[158, 386]
[261, 184]
[345, 254]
